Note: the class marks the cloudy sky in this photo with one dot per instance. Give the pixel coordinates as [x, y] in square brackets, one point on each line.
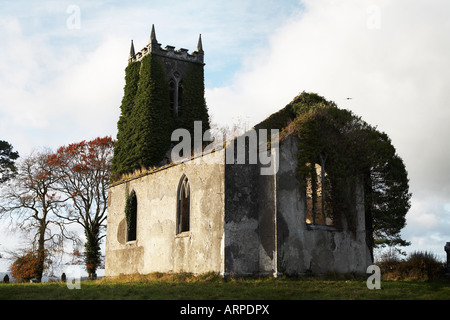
[62, 73]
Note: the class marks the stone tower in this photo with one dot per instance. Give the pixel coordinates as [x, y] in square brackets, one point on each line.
[177, 64]
[164, 90]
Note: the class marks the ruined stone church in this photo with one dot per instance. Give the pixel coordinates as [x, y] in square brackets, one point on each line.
[212, 214]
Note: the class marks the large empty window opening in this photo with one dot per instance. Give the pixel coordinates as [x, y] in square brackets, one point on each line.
[183, 205]
[318, 208]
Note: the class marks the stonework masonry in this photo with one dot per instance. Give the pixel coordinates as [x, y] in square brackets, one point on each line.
[176, 61]
[241, 223]
[157, 247]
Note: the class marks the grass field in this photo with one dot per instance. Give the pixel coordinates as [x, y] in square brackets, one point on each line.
[211, 287]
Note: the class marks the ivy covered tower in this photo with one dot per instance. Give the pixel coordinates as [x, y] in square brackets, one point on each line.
[164, 90]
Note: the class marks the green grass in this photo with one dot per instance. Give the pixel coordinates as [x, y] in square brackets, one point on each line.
[217, 288]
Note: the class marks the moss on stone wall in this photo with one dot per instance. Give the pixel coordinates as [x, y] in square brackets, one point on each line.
[349, 150]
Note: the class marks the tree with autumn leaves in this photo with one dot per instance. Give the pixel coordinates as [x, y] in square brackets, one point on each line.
[84, 169]
[26, 266]
[54, 189]
[31, 202]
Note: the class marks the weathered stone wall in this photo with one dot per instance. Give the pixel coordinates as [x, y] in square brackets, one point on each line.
[175, 68]
[319, 249]
[157, 247]
[241, 223]
[265, 228]
[249, 224]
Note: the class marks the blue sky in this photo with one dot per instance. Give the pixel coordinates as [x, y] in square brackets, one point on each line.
[62, 83]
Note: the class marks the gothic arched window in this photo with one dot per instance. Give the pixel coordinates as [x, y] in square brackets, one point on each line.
[183, 205]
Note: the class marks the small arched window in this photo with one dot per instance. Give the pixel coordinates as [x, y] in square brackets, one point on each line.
[183, 205]
[131, 215]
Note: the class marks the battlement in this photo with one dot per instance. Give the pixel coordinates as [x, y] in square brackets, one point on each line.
[154, 47]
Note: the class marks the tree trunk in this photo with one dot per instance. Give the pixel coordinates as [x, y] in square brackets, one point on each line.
[322, 185]
[41, 251]
[92, 247]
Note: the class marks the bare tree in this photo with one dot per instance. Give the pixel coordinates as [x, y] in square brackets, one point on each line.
[31, 202]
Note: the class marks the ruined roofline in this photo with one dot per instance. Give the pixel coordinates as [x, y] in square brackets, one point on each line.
[127, 177]
[154, 47]
[221, 146]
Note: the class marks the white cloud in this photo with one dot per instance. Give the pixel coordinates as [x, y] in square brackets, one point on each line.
[428, 223]
[421, 216]
[59, 85]
[88, 94]
[396, 75]
[330, 50]
[51, 97]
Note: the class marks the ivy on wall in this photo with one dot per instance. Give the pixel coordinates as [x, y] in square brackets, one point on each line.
[146, 122]
[350, 151]
[145, 125]
[121, 162]
[151, 115]
[194, 106]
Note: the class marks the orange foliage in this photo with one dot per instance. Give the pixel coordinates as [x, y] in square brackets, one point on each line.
[83, 156]
[25, 267]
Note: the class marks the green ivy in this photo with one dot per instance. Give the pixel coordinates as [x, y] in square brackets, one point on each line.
[151, 116]
[144, 127]
[194, 106]
[124, 144]
[146, 123]
[92, 249]
[351, 151]
[131, 215]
